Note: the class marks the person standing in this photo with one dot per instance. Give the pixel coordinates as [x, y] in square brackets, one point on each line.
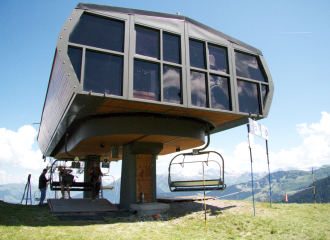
[42, 186]
[95, 173]
[64, 181]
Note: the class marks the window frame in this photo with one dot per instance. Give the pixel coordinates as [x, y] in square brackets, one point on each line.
[111, 54]
[159, 61]
[208, 71]
[115, 17]
[259, 83]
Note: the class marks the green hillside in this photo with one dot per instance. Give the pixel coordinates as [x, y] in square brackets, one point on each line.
[225, 220]
[322, 193]
[282, 182]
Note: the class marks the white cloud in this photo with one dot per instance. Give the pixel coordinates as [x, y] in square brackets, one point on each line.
[17, 156]
[314, 151]
[16, 149]
[6, 178]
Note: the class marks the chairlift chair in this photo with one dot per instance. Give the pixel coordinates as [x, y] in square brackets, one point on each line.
[37, 195]
[107, 178]
[76, 186]
[198, 185]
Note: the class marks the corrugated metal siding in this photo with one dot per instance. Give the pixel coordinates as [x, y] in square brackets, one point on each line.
[58, 97]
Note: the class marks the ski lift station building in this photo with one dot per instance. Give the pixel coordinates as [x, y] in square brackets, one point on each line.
[145, 84]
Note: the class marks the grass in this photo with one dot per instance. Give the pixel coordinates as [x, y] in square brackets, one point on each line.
[283, 221]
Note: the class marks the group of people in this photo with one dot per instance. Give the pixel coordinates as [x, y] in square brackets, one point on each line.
[65, 179]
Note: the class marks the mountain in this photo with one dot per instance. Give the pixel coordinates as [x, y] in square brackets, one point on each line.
[282, 182]
[238, 186]
[13, 192]
[322, 193]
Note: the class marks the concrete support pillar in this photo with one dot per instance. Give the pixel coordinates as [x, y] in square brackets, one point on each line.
[139, 173]
[128, 178]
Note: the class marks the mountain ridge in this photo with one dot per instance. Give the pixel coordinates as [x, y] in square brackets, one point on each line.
[238, 184]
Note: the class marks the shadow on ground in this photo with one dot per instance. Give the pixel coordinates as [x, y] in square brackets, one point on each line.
[181, 209]
[35, 216]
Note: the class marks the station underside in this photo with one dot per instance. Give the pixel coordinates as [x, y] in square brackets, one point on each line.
[116, 122]
[97, 136]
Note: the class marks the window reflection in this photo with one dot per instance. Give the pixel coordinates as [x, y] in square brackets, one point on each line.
[147, 42]
[198, 89]
[146, 80]
[75, 55]
[172, 84]
[171, 48]
[218, 58]
[99, 32]
[220, 97]
[264, 93]
[103, 73]
[248, 97]
[247, 66]
[197, 54]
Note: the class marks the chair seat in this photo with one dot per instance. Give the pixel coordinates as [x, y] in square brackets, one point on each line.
[76, 186]
[190, 189]
[213, 182]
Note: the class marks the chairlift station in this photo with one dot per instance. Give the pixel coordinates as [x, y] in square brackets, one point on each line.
[131, 84]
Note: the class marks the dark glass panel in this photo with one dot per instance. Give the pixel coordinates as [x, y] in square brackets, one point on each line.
[172, 84]
[247, 66]
[147, 42]
[218, 59]
[264, 93]
[248, 98]
[171, 48]
[103, 73]
[220, 97]
[99, 32]
[197, 54]
[198, 89]
[75, 55]
[146, 80]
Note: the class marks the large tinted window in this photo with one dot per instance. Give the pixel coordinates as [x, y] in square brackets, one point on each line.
[198, 89]
[75, 55]
[146, 80]
[147, 42]
[220, 97]
[197, 54]
[248, 97]
[103, 73]
[247, 66]
[171, 48]
[172, 84]
[99, 32]
[218, 58]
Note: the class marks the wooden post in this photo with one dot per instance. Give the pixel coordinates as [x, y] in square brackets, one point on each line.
[143, 177]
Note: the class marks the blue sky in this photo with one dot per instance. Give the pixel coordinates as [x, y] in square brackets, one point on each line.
[293, 36]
